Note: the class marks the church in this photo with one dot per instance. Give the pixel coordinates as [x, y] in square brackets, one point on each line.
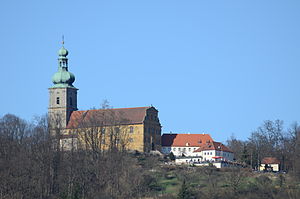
[132, 129]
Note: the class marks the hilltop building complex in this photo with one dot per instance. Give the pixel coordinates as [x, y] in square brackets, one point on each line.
[136, 129]
[195, 148]
[131, 128]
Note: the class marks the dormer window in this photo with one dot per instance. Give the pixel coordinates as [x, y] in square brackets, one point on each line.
[57, 100]
[199, 142]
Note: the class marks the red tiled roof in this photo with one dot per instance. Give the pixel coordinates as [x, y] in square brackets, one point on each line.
[218, 146]
[221, 147]
[107, 117]
[198, 150]
[182, 140]
[270, 160]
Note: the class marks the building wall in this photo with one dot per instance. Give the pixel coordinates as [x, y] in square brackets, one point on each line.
[274, 166]
[130, 136]
[206, 154]
[62, 101]
[152, 131]
[187, 160]
[178, 151]
[195, 161]
[141, 137]
[209, 154]
[136, 138]
[68, 144]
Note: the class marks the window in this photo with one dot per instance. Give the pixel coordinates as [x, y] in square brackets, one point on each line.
[204, 153]
[102, 130]
[199, 142]
[131, 129]
[184, 149]
[179, 149]
[130, 139]
[210, 153]
[117, 129]
[189, 149]
[174, 149]
[57, 100]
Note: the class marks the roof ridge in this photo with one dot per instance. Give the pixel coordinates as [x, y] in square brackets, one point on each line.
[113, 109]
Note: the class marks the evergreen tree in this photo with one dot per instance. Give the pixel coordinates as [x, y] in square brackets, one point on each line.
[172, 156]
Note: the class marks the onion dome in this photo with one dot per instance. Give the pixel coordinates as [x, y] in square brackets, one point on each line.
[63, 52]
[63, 78]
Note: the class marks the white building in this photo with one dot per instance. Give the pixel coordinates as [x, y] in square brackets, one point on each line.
[270, 164]
[195, 147]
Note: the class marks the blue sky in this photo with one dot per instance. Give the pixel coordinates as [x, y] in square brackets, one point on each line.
[219, 67]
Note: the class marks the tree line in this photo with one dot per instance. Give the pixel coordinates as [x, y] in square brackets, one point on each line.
[270, 139]
[34, 165]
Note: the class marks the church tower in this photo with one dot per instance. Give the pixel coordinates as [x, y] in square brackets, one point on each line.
[63, 95]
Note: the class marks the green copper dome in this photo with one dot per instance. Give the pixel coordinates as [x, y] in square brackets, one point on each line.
[63, 78]
[63, 52]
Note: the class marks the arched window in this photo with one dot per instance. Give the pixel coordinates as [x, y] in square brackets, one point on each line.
[131, 129]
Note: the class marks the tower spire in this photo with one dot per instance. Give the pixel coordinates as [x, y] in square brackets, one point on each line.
[63, 78]
[63, 95]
